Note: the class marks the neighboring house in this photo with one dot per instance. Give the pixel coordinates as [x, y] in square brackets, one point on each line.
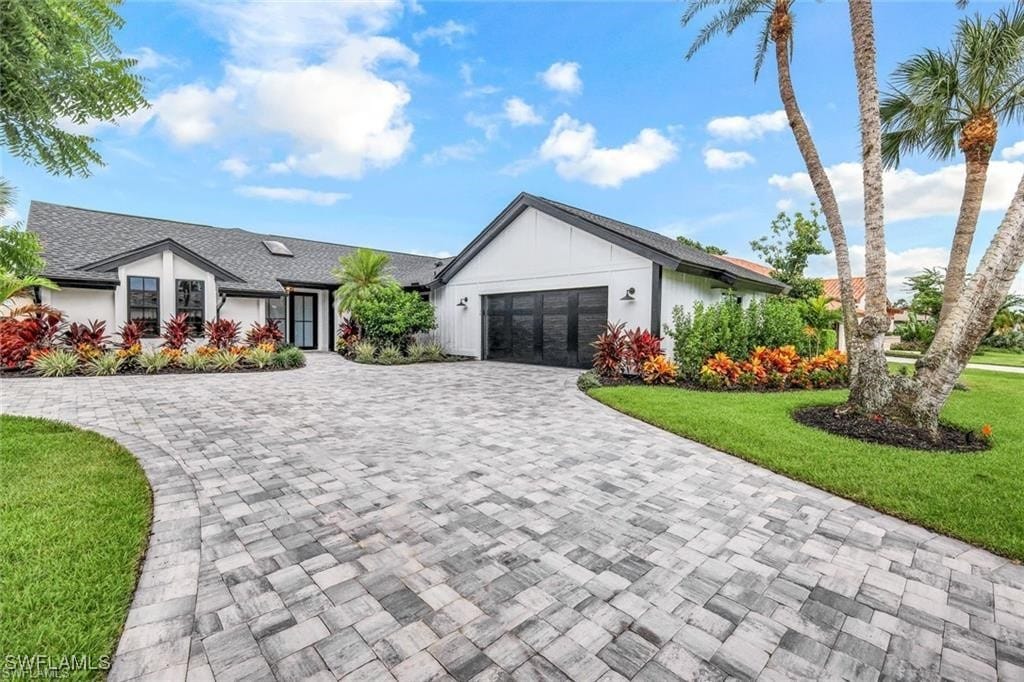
[830, 287]
[749, 265]
[537, 285]
[116, 268]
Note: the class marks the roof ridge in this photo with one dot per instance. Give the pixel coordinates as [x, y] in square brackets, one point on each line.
[236, 229]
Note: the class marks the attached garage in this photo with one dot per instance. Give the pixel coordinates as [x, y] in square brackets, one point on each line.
[554, 327]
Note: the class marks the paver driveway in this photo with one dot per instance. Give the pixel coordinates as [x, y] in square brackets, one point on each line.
[482, 520]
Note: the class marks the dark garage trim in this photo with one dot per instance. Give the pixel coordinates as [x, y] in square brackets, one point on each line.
[656, 299]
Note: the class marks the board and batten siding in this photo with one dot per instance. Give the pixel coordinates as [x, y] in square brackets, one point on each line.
[537, 252]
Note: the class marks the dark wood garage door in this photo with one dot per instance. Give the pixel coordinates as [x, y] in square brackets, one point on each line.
[545, 327]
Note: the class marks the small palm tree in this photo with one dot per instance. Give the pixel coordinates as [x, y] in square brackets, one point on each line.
[360, 274]
[943, 102]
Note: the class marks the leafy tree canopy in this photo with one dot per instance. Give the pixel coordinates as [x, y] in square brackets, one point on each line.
[707, 248]
[390, 315]
[793, 240]
[59, 65]
[926, 291]
[21, 258]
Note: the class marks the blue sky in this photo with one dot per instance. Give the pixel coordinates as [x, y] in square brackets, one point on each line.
[409, 127]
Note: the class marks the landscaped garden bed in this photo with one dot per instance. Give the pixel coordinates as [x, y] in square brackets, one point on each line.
[75, 511]
[875, 428]
[34, 341]
[368, 353]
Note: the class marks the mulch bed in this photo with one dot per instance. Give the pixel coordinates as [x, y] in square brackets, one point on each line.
[136, 371]
[886, 431]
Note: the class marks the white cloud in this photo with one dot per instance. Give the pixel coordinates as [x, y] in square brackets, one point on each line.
[192, 113]
[784, 204]
[748, 127]
[909, 194]
[148, 59]
[488, 124]
[235, 166]
[563, 77]
[519, 113]
[445, 34]
[572, 146]
[1014, 151]
[899, 265]
[473, 90]
[293, 194]
[464, 151]
[306, 75]
[717, 159]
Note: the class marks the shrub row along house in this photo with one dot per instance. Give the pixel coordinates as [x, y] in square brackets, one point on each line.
[537, 285]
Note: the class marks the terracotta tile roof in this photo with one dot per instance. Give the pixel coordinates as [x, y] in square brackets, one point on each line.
[759, 268]
[831, 288]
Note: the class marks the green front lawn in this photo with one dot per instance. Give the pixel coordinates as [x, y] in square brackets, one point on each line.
[989, 356]
[75, 511]
[976, 497]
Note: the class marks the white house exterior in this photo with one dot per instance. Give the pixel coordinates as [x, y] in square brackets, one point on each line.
[536, 285]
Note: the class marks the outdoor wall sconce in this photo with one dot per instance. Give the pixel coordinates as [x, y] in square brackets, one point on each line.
[462, 302]
[629, 295]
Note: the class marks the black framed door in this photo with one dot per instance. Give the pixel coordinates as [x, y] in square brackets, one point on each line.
[552, 327]
[302, 308]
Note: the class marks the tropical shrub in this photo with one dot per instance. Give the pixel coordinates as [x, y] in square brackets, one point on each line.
[1008, 340]
[417, 352]
[105, 365]
[222, 334]
[131, 335]
[348, 333]
[391, 315]
[433, 351]
[289, 357]
[916, 331]
[89, 340]
[224, 360]
[56, 362]
[659, 370]
[729, 328]
[588, 380]
[389, 354]
[27, 330]
[775, 368]
[259, 356]
[641, 346]
[610, 350]
[268, 332]
[195, 361]
[154, 361]
[177, 332]
[364, 351]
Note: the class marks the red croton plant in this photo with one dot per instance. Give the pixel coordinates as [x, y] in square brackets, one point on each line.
[264, 333]
[222, 334]
[25, 331]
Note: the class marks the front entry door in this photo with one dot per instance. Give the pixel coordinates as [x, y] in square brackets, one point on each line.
[303, 310]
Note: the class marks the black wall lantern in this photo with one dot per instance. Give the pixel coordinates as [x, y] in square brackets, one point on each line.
[629, 295]
[462, 302]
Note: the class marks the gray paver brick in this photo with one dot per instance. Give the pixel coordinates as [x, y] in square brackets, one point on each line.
[303, 519]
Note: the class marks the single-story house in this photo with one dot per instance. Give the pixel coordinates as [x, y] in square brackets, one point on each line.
[537, 285]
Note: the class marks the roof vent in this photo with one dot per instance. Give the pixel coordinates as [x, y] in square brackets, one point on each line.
[277, 248]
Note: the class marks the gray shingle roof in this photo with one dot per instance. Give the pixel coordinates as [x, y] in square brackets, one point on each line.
[667, 245]
[73, 238]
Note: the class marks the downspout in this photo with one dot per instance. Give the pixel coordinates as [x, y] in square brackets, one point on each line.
[37, 297]
[220, 304]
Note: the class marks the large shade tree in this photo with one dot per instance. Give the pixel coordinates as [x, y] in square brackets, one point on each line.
[916, 400]
[950, 102]
[60, 68]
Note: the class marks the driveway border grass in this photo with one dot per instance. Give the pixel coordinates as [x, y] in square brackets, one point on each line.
[976, 497]
[75, 514]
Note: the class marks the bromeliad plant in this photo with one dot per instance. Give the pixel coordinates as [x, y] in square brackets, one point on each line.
[222, 334]
[177, 332]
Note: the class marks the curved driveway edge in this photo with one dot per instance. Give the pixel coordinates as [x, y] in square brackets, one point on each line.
[486, 521]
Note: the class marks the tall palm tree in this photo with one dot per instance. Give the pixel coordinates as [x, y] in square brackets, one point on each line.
[360, 274]
[777, 28]
[943, 102]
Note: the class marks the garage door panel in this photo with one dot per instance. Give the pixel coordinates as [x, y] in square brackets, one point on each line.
[552, 327]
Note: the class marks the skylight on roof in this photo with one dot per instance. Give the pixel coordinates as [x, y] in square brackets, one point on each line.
[277, 248]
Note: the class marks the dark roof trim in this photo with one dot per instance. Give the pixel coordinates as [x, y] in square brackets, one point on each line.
[248, 293]
[524, 201]
[108, 264]
[72, 283]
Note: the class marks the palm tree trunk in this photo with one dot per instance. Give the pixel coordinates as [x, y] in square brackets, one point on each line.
[966, 324]
[870, 387]
[822, 188]
[966, 223]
